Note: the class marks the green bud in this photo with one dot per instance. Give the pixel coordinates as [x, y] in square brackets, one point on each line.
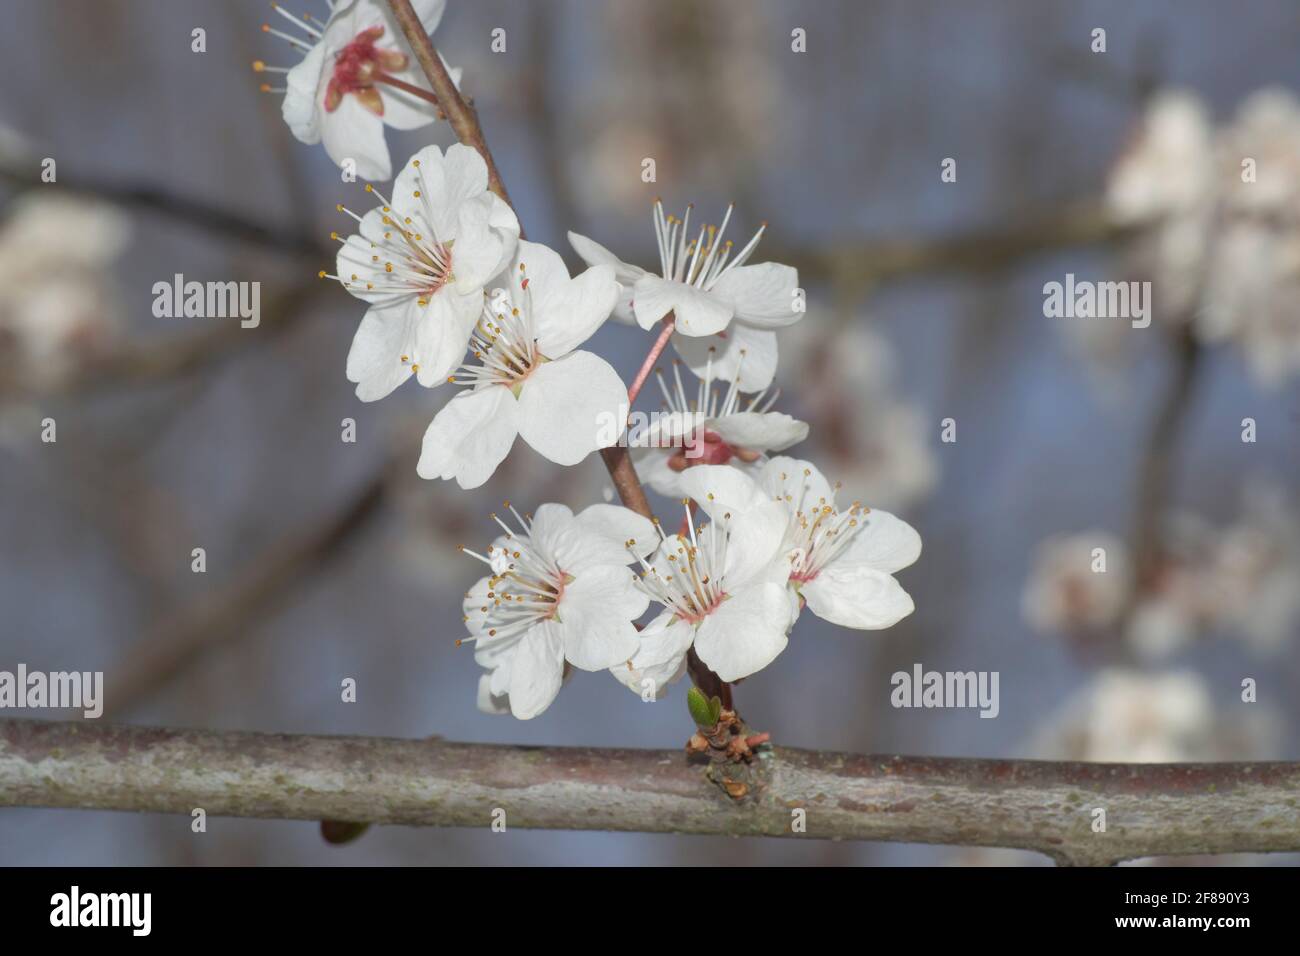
[702, 711]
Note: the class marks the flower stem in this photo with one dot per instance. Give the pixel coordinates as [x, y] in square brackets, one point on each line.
[656, 350]
[412, 89]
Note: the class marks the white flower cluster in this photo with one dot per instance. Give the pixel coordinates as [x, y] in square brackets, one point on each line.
[454, 295]
[1218, 214]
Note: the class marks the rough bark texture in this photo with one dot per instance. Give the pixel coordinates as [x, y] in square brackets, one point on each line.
[1150, 809]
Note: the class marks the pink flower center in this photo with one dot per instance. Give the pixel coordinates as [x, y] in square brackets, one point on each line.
[708, 450]
[358, 66]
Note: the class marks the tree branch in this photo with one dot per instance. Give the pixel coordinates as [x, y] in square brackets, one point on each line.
[1048, 807]
[461, 116]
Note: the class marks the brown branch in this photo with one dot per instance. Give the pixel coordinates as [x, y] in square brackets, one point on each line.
[226, 613]
[1048, 807]
[461, 116]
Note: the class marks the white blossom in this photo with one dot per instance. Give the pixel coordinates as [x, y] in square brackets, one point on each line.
[560, 594]
[843, 562]
[59, 303]
[422, 262]
[530, 378]
[725, 310]
[708, 428]
[1070, 589]
[336, 94]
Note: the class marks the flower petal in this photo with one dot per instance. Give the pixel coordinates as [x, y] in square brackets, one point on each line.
[797, 482]
[760, 431]
[721, 488]
[375, 358]
[442, 333]
[353, 132]
[660, 656]
[741, 352]
[572, 406]
[594, 254]
[488, 702]
[301, 108]
[761, 295]
[596, 612]
[884, 543]
[481, 249]
[537, 670]
[857, 596]
[697, 313]
[745, 632]
[608, 529]
[470, 436]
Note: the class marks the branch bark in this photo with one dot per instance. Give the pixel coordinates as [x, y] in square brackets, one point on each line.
[1048, 807]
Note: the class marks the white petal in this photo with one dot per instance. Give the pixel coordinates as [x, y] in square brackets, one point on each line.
[721, 488]
[353, 132]
[488, 702]
[596, 612]
[857, 596]
[740, 349]
[652, 468]
[570, 318]
[301, 108]
[884, 543]
[760, 431]
[401, 109]
[551, 533]
[375, 359]
[800, 483]
[745, 632]
[442, 333]
[761, 295]
[470, 436]
[666, 430]
[608, 528]
[449, 180]
[480, 251]
[537, 670]
[697, 313]
[660, 655]
[755, 523]
[474, 606]
[594, 254]
[570, 407]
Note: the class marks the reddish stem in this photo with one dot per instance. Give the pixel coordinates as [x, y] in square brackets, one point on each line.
[410, 88]
[656, 350]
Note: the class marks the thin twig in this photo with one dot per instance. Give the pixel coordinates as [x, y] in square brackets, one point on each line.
[656, 350]
[1150, 809]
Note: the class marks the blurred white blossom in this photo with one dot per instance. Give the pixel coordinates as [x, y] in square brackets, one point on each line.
[1125, 716]
[1218, 218]
[59, 303]
[1068, 589]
